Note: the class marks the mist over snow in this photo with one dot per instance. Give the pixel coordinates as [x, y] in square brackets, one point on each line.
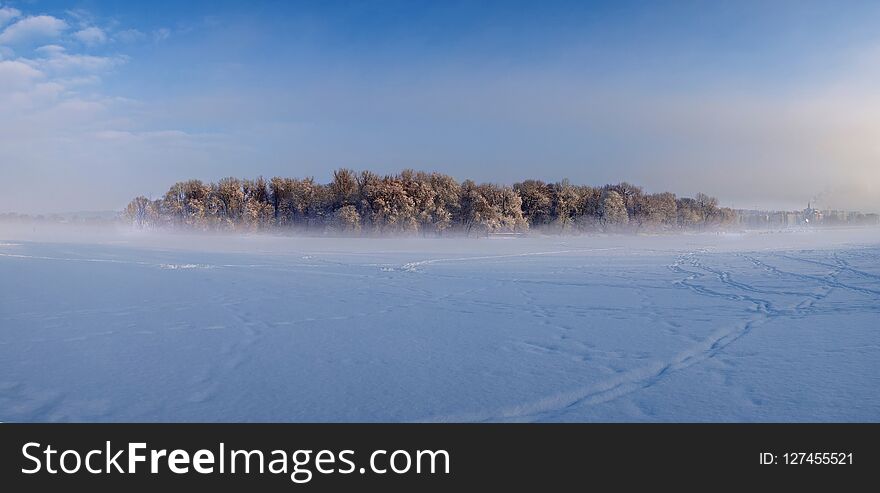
[106, 325]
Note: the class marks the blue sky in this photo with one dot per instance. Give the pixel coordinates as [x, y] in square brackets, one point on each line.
[759, 103]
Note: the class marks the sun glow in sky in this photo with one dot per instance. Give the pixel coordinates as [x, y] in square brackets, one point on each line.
[767, 104]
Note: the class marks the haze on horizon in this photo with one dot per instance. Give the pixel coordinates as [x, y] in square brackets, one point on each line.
[767, 104]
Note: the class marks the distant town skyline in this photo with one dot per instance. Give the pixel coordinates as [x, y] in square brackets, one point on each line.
[761, 104]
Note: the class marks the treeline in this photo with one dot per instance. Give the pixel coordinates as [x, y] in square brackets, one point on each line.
[415, 201]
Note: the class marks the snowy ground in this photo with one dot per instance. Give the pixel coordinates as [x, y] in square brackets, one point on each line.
[735, 327]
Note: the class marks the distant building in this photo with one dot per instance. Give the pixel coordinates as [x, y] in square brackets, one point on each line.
[812, 216]
[758, 219]
[836, 217]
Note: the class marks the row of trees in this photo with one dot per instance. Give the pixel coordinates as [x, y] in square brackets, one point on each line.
[415, 201]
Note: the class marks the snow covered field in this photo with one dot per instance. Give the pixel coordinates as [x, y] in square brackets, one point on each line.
[110, 326]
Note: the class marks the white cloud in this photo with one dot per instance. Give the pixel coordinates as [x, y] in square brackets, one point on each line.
[91, 36]
[46, 83]
[32, 29]
[40, 95]
[16, 75]
[24, 88]
[7, 14]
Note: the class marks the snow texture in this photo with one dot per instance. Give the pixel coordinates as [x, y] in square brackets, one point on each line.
[106, 326]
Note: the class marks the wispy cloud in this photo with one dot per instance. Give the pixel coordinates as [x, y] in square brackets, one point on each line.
[161, 34]
[126, 135]
[57, 121]
[7, 14]
[129, 35]
[91, 36]
[56, 59]
[82, 17]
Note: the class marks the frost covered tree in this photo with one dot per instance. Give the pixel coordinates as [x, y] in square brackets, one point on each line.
[475, 212]
[707, 206]
[347, 219]
[416, 201]
[141, 212]
[536, 201]
[344, 189]
[688, 213]
[230, 197]
[387, 205]
[564, 204]
[447, 201]
[659, 209]
[612, 209]
[258, 209]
